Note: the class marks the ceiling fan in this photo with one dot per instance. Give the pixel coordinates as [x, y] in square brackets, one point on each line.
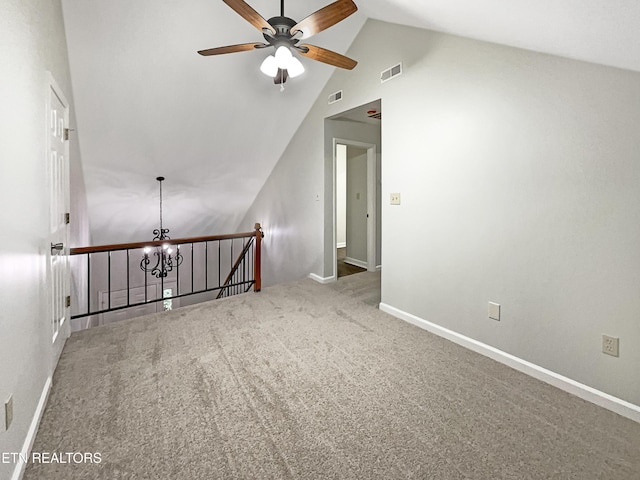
[284, 34]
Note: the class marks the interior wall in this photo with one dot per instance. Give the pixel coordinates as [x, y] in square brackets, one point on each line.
[298, 195]
[79, 227]
[356, 221]
[33, 42]
[518, 176]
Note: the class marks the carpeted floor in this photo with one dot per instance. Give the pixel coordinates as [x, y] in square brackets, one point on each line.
[309, 381]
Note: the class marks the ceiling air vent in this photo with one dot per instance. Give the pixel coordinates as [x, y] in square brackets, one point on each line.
[335, 97]
[391, 72]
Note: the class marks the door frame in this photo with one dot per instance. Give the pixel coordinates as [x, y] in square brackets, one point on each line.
[64, 329]
[371, 201]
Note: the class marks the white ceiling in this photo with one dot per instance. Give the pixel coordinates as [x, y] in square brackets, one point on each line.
[148, 105]
[598, 31]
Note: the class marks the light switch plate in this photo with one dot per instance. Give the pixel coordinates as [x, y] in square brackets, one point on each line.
[494, 311]
[8, 412]
[395, 199]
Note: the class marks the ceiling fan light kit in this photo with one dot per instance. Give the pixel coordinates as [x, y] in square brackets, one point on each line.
[284, 34]
[269, 67]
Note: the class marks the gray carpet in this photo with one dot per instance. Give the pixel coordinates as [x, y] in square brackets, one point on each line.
[305, 381]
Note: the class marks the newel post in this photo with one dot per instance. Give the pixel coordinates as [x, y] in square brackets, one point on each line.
[257, 286]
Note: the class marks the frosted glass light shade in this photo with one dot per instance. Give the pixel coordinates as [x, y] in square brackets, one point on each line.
[295, 67]
[270, 66]
[283, 57]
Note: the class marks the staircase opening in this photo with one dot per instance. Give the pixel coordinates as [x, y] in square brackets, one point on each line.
[122, 282]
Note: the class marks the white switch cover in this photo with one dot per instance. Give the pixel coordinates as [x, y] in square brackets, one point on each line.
[494, 311]
[395, 199]
[8, 412]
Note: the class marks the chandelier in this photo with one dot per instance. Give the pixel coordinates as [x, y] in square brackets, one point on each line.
[164, 261]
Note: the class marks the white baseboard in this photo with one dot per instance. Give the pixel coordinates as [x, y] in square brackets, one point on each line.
[378, 268]
[341, 245]
[602, 399]
[18, 471]
[356, 262]
[322, 280]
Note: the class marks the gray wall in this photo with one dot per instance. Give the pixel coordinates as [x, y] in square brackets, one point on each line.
[33, 41]
[519, 177]
[298, 196]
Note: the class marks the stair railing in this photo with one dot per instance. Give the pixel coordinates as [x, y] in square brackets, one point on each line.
[110, 278]
[237, 274]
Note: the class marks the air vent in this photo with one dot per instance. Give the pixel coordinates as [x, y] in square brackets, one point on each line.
[335, 97]
[391, 72]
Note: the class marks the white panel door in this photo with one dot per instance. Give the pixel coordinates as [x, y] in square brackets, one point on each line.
[136, 295]
[58, 170]
[119, 299]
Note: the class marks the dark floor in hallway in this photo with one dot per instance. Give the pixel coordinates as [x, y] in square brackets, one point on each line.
[344, 268]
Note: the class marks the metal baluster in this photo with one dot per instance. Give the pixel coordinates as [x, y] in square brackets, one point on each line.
[109, 281]
[128, 287]
[178, 272]
[88, 283]
[145, 288]
[161, 280]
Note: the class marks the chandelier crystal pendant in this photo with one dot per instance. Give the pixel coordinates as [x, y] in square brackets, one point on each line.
[164, 260]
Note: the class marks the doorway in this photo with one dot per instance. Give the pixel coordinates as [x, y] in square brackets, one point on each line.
[352, 209]
[356, 128]
[355, 203]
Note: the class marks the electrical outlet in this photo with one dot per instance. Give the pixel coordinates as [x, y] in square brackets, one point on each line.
[8, 412]
[395, 199]
[610, 345]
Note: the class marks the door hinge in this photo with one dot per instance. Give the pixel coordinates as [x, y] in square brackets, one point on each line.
[68, 301]
[67, 217]
[66, 133]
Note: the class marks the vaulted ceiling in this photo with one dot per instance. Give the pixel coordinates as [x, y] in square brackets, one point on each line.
[148, 105]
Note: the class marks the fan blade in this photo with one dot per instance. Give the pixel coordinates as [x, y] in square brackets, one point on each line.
[243, 9]
[326, 56]
[324, 18]
[243, 47]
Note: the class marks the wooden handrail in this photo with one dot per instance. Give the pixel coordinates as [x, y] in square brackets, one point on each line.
[158, 243]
